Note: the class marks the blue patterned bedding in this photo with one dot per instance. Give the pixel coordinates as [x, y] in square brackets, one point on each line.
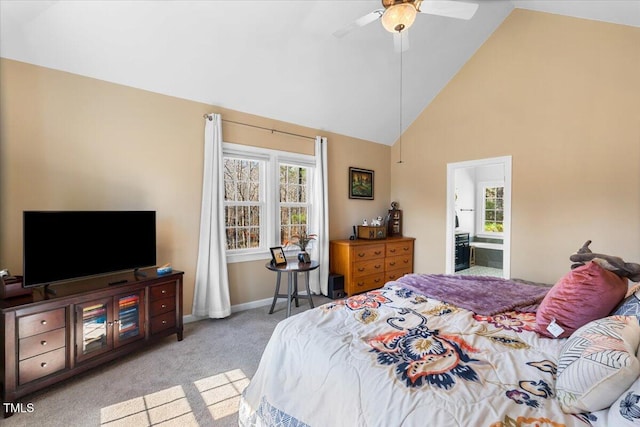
[394, 357]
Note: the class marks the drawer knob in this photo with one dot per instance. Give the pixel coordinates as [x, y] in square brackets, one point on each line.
[164, 291]
[163, 306]
[361, 269]
[43, 342]
[43, 365]
[361, 254]
[378, 252]
[392, 250]
[392, 263]
[377, 280]
[360, 283]
[43, 322]
[164, 322]
[377, 266]
[406, 261]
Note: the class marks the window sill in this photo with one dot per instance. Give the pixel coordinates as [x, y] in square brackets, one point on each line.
[258, 256]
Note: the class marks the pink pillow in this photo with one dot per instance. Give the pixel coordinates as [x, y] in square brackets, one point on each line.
[586, 293]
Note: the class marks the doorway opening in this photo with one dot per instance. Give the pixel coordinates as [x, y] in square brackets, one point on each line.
[479, 217]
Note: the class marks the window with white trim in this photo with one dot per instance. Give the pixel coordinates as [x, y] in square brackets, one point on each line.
[268, 199]
[294, 201]
[243, 202]
[493, 209]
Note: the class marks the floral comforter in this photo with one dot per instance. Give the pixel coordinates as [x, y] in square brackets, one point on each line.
[393, 357]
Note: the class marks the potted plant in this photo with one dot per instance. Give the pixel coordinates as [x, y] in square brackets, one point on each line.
[302, 240]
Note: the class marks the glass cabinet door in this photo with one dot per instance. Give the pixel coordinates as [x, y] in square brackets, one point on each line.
[129, 317]
[94, 334]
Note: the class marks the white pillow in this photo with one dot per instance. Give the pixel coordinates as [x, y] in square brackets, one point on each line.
[597, 364]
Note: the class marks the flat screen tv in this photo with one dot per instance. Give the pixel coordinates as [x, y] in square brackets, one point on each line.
[68, 245]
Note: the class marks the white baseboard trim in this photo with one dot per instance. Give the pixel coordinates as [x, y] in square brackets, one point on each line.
[252, 304]
[242, 307]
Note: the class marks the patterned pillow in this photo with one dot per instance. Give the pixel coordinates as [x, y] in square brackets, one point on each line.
[625, 411]
[597, 364]
[630, 306]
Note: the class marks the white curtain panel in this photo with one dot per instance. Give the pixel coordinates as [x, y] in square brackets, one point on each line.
[211, 297]
[320, 220]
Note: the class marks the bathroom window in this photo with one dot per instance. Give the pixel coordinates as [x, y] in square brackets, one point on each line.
[493, 212]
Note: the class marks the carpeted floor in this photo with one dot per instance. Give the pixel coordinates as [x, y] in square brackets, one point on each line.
[195, 382]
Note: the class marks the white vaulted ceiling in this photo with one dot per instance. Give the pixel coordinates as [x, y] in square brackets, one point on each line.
[277, 59]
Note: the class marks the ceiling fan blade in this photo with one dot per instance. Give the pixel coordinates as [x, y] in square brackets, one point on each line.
[450, 9]
[360, 22]
[401, 41]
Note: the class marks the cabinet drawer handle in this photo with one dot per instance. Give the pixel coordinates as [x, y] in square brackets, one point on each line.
[377, 266]
[163, 306]
[392, 250]
[43, 322]
[43, 365]
[43, 342]
[377, 252]
[406, 249]
[392, 276]
[361, 269]
[164, 291]
[360, 283]
[406, 261]
[392, 263]
[361, 254]
[164, 322]
[377, 280]
[109, 323]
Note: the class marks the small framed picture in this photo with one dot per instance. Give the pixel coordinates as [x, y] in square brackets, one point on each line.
[360, 183]
[277, 256]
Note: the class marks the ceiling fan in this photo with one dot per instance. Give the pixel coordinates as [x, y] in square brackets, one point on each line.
[398, 15]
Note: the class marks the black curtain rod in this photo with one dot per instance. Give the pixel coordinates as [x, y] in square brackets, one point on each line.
[207, 116]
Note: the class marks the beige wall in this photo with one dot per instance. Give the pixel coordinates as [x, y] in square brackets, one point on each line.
[71, 142]
[562, 96]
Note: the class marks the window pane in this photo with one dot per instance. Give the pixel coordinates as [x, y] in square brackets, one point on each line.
[493, 209]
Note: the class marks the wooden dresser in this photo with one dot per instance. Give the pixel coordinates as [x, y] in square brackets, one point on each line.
[369, 264]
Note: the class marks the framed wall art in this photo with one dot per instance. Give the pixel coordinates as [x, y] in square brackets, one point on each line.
[360, 183]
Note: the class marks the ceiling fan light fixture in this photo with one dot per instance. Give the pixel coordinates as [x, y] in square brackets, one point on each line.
[399, 17]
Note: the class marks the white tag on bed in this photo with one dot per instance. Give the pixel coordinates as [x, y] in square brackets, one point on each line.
[554, 329]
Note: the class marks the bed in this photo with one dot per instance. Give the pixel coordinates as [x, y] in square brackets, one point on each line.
[435, 350]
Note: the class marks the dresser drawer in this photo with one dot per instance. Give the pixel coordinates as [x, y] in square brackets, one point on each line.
[42, 343]
[399, 248]
[366, 252]
[367, 283]
[163, 305]
[396, 262]
[162, 291]
[163, 321]
[42, 365]
[365, 268]
[41, 322]
[396, 274]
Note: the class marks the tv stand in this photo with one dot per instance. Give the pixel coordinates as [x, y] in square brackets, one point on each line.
[55, 334]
